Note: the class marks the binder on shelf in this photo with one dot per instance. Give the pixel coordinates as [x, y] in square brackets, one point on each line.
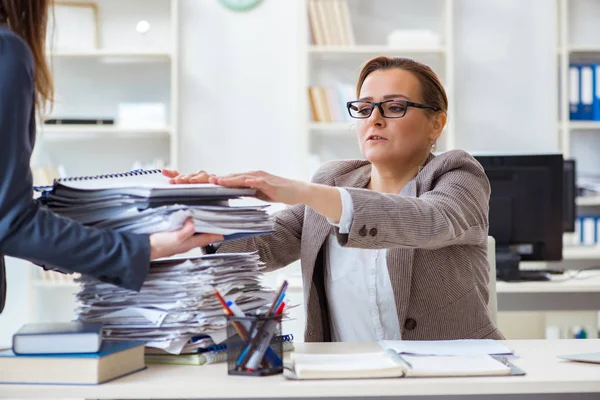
[586, 92]
[574, 93]
[596, 105]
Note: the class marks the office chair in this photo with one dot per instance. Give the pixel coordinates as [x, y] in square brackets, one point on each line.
[493, 300]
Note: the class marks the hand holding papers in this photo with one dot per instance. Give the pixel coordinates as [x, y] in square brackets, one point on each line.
[165, 244]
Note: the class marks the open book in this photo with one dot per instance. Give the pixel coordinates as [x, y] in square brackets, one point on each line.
[389, 364]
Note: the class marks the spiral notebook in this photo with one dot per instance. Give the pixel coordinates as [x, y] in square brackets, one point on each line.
[147, 184]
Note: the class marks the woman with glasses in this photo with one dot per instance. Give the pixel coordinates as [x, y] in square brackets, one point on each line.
[27, 230]
[394, 247]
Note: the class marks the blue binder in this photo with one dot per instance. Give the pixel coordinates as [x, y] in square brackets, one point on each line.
[596, 105]
[574, 93]
[586, 92]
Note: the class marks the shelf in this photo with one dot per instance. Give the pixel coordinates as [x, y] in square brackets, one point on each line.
[121, 55]
[332, 127]
[584, 49]
[588, 201]
[581, 253]
[372, 50]
[84, 132]
[584, 125]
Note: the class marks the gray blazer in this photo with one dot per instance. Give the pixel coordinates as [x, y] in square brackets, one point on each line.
[435, 231]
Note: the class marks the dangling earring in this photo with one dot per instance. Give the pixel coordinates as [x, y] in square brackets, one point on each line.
[432, 147]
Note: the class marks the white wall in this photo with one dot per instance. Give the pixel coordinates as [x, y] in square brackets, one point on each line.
[240, 97]
[506, 75]
[239, 93]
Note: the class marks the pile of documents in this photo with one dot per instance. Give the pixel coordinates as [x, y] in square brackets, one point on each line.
[145, 202]
[176, 309]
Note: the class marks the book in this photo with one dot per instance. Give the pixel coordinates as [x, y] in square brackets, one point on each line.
[389, 364]
[114, 360]
[58, 338]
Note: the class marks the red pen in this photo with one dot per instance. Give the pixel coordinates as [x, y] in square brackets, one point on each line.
[236, 325]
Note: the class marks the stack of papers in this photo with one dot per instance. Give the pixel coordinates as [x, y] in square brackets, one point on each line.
[176, 309]
[145, 202]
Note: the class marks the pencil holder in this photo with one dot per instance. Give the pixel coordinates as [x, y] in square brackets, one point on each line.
[254, 346]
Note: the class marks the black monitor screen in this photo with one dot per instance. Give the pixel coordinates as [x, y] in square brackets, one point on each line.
[526, 204]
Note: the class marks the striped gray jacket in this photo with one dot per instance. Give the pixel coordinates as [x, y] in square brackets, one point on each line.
[435, 231]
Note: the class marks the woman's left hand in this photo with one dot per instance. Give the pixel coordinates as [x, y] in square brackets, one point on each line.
[269, 187]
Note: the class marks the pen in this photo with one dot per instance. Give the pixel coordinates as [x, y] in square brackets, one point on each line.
[278, 298]
[240, 329]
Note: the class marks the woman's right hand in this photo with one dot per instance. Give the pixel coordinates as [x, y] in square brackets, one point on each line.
[197, 177]
[166, 244]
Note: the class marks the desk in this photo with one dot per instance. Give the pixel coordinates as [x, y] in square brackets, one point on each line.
[578, 294]
[547, 378]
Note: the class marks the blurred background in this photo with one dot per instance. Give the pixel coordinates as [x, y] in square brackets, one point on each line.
[234, 85]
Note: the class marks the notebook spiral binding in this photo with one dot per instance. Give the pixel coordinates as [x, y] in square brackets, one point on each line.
[136, 172]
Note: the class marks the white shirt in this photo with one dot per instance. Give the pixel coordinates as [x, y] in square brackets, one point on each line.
[358, 287]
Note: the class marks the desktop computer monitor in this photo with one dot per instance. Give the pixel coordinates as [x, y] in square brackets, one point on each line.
[526, 210]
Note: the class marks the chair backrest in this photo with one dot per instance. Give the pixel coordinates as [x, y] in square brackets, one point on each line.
[493, 300]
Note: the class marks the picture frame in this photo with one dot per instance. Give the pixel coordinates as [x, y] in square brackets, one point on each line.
[74, 27]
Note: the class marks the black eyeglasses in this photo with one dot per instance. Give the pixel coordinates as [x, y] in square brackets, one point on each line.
[388, 109]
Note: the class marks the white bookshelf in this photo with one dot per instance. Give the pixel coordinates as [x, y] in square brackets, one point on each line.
[371, 22]
[577, 42]
[90, 84]
[127, 66]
